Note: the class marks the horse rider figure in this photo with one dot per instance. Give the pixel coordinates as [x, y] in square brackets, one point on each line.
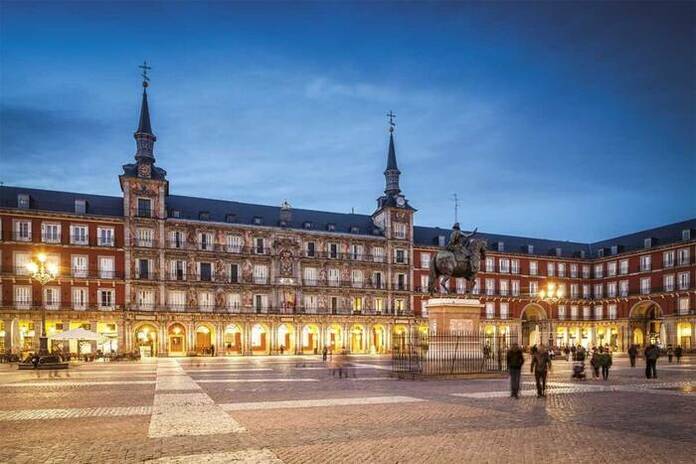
[459, 243]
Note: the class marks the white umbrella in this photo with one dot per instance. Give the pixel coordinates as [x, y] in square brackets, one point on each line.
[77, 334]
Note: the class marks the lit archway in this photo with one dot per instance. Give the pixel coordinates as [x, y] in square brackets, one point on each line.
[286, 339]
[335, 338]
[259, 339]
[176, 333]
[534, 325]
[145, 339]
[399, 337]
[379, 339]
[233, 340]
[647, 316]
[311, 339]
[684, 331]
[205, 335]
[358, 340]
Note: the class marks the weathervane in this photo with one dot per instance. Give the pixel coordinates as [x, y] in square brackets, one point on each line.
[145, 69]
[391, 117]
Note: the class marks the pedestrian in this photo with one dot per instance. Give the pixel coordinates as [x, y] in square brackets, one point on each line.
[515, 360]
[632, 353]
[652, 352]
[35, 360]
[678, 353]
[282, 349]
[566, 351]
[324, 353]
[594, 362]
[670, 353]
[212, 350]
[605, 361]
[541, 363]
[572, 352]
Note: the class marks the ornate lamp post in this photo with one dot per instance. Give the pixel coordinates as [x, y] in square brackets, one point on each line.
[43, 273]
[551, 294]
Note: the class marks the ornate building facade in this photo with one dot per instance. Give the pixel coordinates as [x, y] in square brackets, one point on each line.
[170, 275]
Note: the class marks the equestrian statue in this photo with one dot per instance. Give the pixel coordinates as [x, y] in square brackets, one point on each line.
[462, 258]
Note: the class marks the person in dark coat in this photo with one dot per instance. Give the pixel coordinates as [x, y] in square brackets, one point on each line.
[652, 352]
[324, 353]
[678, 353]
[541, 364]
[632, 353]
[670, 353]
[515, 360]
[605, 362]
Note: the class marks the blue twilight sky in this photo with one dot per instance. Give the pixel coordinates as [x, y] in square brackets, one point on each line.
[559, 120]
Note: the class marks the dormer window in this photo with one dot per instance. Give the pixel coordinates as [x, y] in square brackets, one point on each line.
[144, 207]
[582, 254]
[204, 216]
[600, 253]
[614, 249]
[175, 213]
[648, 243]
[559, 252]
[441, 240]
[355, 230]
[530, 249]
[686, 234]
[331, 227]
[501, 246]
[23, 201]
[230, 217]
[257, 220]
[307, 225]
[80, 206]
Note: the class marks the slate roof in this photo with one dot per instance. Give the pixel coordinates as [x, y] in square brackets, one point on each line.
[64, 202]
[391, 156]
[144, 124]
[670, 233]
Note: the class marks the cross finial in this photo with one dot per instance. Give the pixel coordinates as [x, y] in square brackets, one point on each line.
[391, 117]
[145, 69]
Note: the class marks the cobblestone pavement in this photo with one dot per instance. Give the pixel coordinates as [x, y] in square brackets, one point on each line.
[291, 410]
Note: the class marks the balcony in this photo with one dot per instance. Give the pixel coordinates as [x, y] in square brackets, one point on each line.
[144, 243]
[21, 236]
[50, 238]
[144, 213]
[79, 240]
[31, 305]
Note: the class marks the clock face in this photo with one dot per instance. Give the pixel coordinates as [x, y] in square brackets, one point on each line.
[400, 201]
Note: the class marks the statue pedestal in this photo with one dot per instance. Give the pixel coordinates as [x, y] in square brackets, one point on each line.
[450, 316]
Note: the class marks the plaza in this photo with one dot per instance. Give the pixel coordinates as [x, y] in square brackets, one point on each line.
[291, 410]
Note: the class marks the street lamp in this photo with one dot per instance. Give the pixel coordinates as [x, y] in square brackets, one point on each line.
[42, 272]
[551, 293]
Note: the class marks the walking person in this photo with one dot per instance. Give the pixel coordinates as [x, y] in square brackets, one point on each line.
[678, 353]
[670, 353]
[541, 363]
[515, 360]
[594, 362]
[652, 352]
[324, 353]
[632, 353]
[605, 362]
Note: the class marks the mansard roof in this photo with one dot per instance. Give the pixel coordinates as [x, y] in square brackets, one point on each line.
[62, 202]
[663, 235]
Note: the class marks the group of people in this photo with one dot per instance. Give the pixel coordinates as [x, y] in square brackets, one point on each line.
[541, 365]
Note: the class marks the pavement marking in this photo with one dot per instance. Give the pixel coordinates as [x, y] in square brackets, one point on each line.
[253, 406]
[185, 414]
[249, 456]
[254, 369]
[255, 380]
[371, 366]
[60, 383]
[73, 413]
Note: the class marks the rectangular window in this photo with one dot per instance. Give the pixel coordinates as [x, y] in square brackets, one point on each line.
[561, 312]
[623, 267]
[310, 249]
[378, 254]
[311, 304]
[425, 260]
[334, 305]
[234, 273]
[623, 288]
[334, 277]
[515, 288]
[52, 297]
[504, 265]
[234, 243]
[144, 237]
[533, 288]
[574, 291]
[598, 312]
[310, 276]
[490, 310]
[586, 312]
[357, 278]
[399, 230]
[399, 256]
[613, 313]
[550, 269]
[379, 305]
[144, 207]
[79, 298]
[683, 256]
[574, 312]
[683, 281]
[425, 281]
[400, 282]
[515, 265]
[206, 301]
[377, 280]
[146, 299]
[460, 284]
[599, 271]
[21, 260]
[684, 305]
[504, 288]
[143, 269]
[490, 286]
[645, 285]
[504, 310]
[50, 232]
[176, 300]
[668, 282]
[22, 232]
[611, 268]
[22, 297]
[490, 264]
[234, 301]
[106, 298]
[668, 258]
[477, 287]
[178, 269]
[356, 252]
[586, 291]
[645, 261]
[106, 267]
[611, 289]
[177, 239]
[598, 291]
[561, 269]
[79, 266]
[399, 306]
[333, 250]
[574, 271]
[105, 236]
[205, 241]
[586, 271]
[79, 235]
[533, 268]
[260, 274]
[205, 272]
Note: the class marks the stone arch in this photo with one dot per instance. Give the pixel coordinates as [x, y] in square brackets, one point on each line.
[176, 336]
[285, 335]
[379, 338]
[260, 339]
[533, 312]
[357, 338]
[146, 338]
[646, 309]
[535, 327]
[311, 339]
[204, 337]
[232, 339]
[335, 338]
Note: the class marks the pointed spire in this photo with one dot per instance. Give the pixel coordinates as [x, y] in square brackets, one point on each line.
[391, 174]
[144, 138]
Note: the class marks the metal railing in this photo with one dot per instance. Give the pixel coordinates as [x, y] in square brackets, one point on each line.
[33, 305]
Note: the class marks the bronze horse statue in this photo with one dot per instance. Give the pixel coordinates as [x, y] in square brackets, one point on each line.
[464, 263]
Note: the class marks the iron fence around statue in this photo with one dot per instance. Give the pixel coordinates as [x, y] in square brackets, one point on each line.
[421, 354]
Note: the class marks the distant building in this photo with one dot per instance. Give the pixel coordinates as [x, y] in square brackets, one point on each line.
[173, 275]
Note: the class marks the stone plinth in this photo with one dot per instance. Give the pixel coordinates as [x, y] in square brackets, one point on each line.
[454, 315]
